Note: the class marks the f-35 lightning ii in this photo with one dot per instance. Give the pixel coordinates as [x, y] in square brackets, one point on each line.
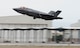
[37, 14]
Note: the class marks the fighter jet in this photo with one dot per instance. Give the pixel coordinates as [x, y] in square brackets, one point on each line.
[37, 14]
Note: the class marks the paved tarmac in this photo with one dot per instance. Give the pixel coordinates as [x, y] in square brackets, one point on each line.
[40, 44]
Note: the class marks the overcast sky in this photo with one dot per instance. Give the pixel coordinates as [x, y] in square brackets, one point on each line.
[70, 9]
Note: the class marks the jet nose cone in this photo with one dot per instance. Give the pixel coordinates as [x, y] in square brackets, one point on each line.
[19, 10]
[15, 9]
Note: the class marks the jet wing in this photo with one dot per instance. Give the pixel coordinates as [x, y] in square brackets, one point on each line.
[46, 15]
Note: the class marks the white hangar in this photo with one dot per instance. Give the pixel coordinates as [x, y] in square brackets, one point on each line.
[10, 29]
[23, 21]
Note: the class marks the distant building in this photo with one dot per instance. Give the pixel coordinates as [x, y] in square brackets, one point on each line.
[10, 29]
[77, 24]
[71, 33]
[75, 32]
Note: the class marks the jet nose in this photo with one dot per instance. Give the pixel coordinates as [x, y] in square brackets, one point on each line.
[19, 10]
[15, 9]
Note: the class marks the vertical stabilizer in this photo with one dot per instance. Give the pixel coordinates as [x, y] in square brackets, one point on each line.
[57, 13]
[51, 13]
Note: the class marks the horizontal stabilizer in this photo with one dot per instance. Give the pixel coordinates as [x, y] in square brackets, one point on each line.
[58, 18]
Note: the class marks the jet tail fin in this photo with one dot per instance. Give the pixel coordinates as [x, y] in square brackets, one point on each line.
[57, 13]
[54, 13]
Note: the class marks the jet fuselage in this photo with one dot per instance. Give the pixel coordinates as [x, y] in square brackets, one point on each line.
[37, 14]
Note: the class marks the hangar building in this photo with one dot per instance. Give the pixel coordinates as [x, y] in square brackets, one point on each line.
[10, 29]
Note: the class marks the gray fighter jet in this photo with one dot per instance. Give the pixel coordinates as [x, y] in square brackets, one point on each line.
[37, 14]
